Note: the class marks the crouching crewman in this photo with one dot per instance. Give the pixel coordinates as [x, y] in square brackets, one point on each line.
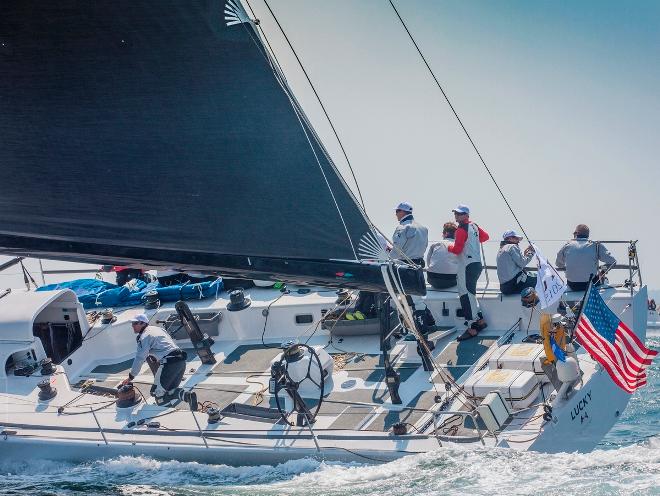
[156, 342]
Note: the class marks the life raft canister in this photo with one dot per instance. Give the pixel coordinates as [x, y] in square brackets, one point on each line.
[547, 330]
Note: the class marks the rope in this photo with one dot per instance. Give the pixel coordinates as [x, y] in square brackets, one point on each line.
[263, 332]
[27, 277]
[459, 121]
[259, 395]
[405, 310]
[341, 359]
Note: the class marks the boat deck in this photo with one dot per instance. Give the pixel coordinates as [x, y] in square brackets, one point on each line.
[358, 398]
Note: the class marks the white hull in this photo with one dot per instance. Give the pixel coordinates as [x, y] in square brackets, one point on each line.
[653, 319]
[34, 428]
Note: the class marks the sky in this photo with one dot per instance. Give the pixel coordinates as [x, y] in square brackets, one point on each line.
[561, 98]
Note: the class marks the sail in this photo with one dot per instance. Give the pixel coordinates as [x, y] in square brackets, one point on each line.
[157, 132]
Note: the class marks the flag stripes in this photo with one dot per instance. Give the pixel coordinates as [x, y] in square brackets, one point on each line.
[624, 356]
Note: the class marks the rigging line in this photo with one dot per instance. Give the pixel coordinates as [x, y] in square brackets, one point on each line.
[446, 377]
[301, 119]
[257, 23]
[459, 121]
[318, 97]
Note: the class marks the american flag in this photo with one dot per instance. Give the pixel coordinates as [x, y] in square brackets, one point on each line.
[613, 344]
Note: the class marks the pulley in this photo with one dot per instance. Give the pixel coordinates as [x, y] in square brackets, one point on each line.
[107, 316]
[343, 297]
[151, 300]
[399, 429]
[213, 414]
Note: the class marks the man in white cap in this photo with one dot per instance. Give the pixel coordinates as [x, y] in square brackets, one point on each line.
[511, 263]
[410, 238]
[156, 342]
[467, 247]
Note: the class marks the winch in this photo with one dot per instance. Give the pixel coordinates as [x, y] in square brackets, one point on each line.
[126, 396]
[46, 391]
[47, 367]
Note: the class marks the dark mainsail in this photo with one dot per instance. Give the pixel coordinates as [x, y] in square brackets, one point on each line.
[156, 132]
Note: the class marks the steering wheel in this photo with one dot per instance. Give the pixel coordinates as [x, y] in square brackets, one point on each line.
[283, 380]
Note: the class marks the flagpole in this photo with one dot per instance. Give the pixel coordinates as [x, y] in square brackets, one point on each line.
[577, 319]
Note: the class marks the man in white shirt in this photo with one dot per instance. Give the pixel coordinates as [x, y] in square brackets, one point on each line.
[442, 265]
[511, 263]
[580, 257]
[156, 342]
[410, 238]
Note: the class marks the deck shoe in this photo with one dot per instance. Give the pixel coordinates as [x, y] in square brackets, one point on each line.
[467, 334]
[359, 315]
[167, 400]
[479, 325]
[350, 316]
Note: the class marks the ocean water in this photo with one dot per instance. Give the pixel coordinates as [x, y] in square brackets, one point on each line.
[626, 462]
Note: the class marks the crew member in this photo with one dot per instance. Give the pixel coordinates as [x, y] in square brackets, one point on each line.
[580, 257]
[442, 264]
[153, 341]
[511, 263]
[467, 246]
[410, 237]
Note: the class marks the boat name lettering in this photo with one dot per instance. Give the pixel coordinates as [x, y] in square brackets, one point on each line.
[580, 409]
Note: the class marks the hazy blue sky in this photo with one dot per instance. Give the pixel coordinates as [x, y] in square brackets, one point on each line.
[560, 97]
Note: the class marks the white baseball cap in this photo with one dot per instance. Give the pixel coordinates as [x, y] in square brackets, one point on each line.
[405, 206]
[140, 318]
[462, 209]
[511, 234]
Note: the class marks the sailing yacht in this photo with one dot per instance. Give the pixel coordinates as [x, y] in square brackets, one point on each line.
[188, 97]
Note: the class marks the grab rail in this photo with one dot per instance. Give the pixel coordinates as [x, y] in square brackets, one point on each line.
[632, 266]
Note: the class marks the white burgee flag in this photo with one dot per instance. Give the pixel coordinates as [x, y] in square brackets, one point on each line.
[550, 285]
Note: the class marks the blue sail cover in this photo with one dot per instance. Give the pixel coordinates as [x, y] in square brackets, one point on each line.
[157, 133]
[93, 293]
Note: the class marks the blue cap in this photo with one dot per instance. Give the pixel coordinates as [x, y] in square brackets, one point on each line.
[405, 206]
[511, 234]
[462, 209]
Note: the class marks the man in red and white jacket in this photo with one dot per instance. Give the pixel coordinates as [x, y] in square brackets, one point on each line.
[467, 247]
